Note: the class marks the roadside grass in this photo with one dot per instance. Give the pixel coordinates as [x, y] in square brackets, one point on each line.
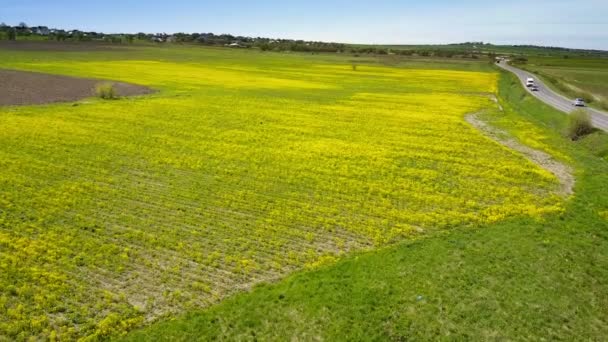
[579, 124]
[574, 77]
[520, 279]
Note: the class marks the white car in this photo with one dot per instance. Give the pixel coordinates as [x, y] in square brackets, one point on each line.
[579, 102]
[529, 82]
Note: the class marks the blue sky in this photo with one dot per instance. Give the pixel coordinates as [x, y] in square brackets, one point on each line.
[578, 24]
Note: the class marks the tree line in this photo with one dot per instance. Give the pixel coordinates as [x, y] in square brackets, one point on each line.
[23, 31]
[8, 32]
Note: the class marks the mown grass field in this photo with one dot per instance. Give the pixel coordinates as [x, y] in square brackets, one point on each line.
[241, 169]
[575, 77]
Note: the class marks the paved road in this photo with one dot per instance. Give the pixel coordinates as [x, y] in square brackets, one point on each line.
[547, 95]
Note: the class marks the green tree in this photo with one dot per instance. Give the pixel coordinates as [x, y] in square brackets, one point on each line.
[78, 36]
[12, 34]
[492, 57]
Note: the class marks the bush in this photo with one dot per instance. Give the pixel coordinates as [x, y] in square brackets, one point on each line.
[519, 60]
[588, 97]
[106, 91]
[580, 124]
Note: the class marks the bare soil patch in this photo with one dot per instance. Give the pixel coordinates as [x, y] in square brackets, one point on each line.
[27, 88]
[563, 172]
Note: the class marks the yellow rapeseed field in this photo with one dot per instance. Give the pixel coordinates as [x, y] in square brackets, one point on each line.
[237, 171]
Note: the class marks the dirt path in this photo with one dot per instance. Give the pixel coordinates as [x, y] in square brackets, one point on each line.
[561, 171]
[27, 88]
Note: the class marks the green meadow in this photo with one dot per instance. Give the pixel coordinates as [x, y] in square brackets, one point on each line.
[311, 197]
[519, 279]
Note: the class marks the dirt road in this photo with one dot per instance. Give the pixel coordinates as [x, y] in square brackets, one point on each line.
[558, 101]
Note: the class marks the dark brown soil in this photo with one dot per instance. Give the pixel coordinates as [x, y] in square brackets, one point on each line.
[26, 88]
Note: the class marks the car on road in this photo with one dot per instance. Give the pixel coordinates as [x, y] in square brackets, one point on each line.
[529, 82]
[579, 102]
[534, 88]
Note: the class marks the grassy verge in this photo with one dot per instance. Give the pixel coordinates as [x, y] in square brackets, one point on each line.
[563, 87]
[519, 279]
[574, 77]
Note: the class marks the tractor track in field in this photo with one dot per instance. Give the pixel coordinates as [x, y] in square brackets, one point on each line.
[19, 88]
[561, 171]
